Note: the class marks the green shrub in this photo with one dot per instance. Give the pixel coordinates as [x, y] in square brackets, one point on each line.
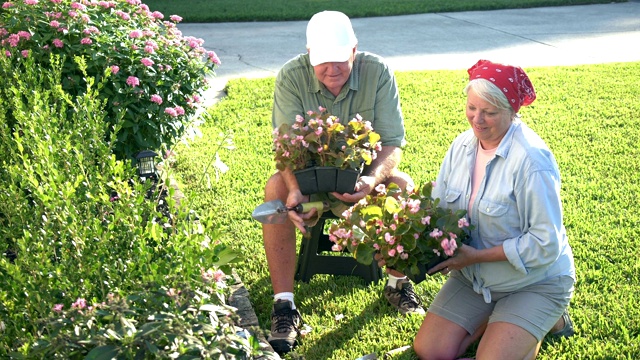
[156, 77]
[75, 226]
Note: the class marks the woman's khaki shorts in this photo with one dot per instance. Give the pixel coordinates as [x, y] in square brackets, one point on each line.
[535, 308]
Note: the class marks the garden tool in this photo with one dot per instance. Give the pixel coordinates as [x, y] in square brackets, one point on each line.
[275, 211]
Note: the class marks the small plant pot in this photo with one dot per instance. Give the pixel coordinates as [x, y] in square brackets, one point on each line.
[422, 275]
[318, 179]
[307, 180]
[346, 181]
[326, 177]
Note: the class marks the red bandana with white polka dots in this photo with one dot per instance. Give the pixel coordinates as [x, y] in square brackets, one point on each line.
[512, 80]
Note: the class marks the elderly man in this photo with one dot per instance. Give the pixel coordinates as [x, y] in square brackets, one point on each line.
[335, 76]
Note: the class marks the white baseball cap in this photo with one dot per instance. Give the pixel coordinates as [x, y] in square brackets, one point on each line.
[330, 37]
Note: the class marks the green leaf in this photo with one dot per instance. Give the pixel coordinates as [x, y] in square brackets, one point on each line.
[364, 254]
[105, 352]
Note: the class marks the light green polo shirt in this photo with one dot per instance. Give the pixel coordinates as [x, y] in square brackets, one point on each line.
[370, 91]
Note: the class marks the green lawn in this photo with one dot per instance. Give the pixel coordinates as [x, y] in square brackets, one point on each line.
[278, 10]
[588, 115]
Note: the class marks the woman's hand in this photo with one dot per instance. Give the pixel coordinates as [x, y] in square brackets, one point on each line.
[465, 256]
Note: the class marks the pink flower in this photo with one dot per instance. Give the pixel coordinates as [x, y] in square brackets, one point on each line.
[133, 81]
[58, 307]
[449, 246]
[54, 23]
[157, 15]
[195, 99]
[392, 252]
[463, 223]
[31, 2]
[91, 30]
[175, 18]
[426, 220]
[213, 57]
[7, 5]
[414, 205]
[135, 34]
[219, 276]
[389, 239]
[7, 53]
[210, 275]
[146, 62]
[169, 154]
[179, 110]
[13, 40]
[172, 112]
[86, 41]
[156, 99]
[123, 15]
[78, 6]
[115, 69]
[79, 304]
[24, 34]
[25, 53]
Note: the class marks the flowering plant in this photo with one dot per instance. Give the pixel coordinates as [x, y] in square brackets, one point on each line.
[322, 140]
[155, 321]
[407, 228]
[155, 76]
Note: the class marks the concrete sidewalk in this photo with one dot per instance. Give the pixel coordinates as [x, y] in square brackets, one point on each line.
[548, 36]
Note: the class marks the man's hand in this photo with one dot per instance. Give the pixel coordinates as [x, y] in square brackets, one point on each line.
[364, 186]
[293, 199]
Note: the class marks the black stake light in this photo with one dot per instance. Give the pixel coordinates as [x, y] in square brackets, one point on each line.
[146, 164]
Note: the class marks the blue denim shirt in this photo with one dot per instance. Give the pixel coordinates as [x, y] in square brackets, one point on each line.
[518, 207]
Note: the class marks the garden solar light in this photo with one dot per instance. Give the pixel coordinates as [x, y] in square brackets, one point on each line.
[146, 164]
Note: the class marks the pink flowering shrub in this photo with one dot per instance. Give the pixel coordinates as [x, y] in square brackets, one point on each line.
[322, 140]
[408, 228]
[150, 66]
[156, 322]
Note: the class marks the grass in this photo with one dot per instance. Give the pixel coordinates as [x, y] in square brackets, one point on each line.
[279, 10]
[588, 115]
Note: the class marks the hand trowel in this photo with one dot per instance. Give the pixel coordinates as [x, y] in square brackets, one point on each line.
[275, 211]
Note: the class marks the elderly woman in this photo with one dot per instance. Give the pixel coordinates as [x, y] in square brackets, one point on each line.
[512, 284]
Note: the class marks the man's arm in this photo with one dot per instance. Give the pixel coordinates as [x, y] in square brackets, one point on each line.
[380, 169]
[388, 158]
